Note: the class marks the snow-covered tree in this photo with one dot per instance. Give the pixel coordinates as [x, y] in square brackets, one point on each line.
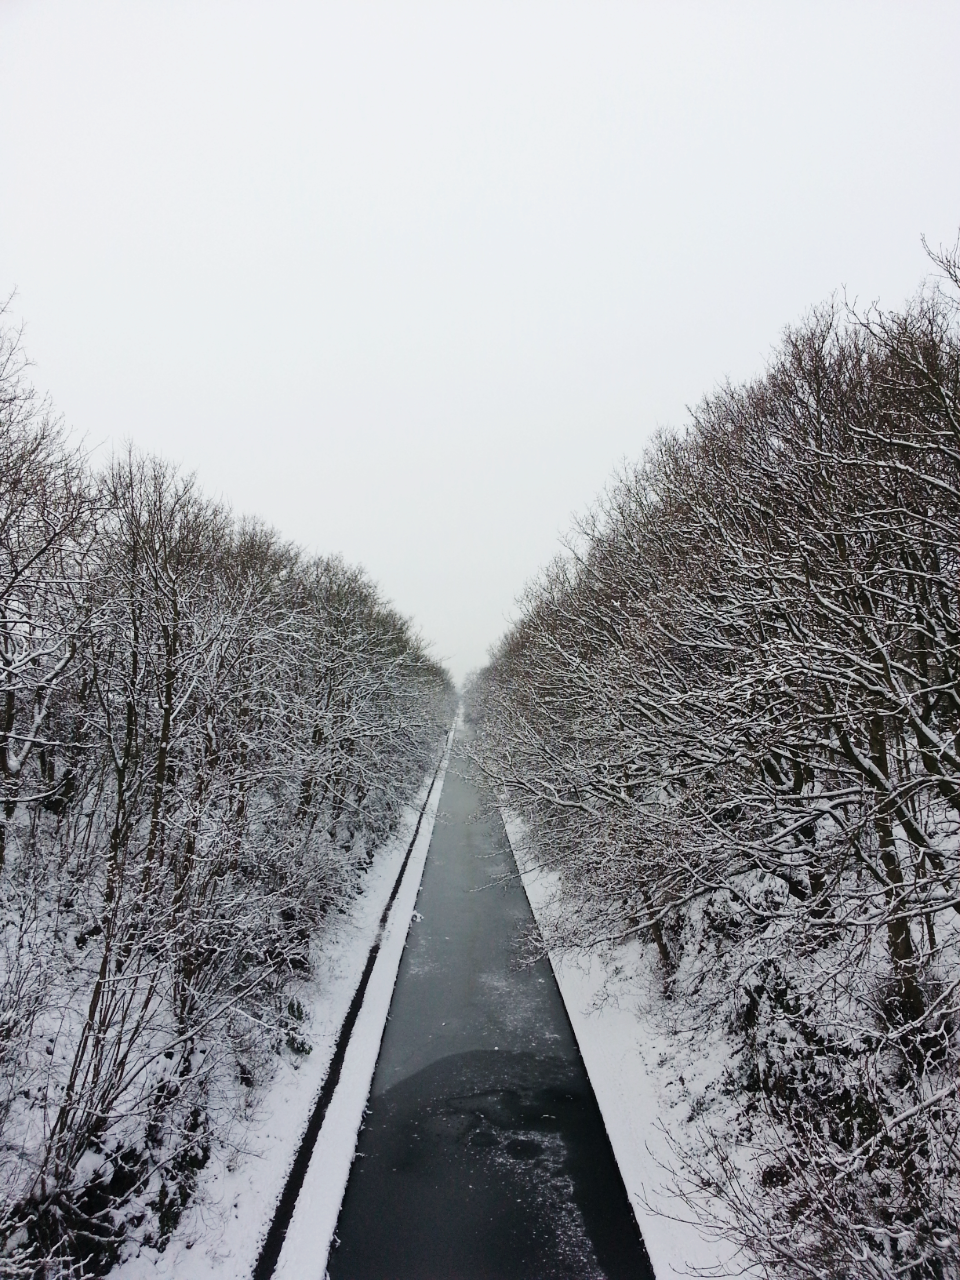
[730, 714]
[203, 736]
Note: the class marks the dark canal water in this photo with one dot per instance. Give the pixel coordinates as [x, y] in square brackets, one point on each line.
[483, 1153]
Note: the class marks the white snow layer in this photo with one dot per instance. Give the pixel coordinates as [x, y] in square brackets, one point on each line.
[632, 1062]
[220, 1234]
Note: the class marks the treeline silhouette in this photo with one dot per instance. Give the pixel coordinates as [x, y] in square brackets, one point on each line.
[204, 733]
[730, 715]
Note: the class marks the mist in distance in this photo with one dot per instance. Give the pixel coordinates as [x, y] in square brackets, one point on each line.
[408, 283]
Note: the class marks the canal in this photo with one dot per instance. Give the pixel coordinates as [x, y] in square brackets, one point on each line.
[483, 1151]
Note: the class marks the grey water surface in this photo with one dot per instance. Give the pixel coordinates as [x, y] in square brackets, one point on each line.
[483, 1153]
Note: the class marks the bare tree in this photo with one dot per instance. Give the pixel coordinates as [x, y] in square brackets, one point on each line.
[730, 716]
[204, 737]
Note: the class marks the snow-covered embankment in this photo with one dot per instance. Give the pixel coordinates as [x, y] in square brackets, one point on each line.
[642, 1078]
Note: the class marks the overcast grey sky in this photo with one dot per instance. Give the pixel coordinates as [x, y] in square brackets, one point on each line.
[408, 280]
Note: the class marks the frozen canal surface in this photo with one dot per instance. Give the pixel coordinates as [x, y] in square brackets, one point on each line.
[483, 1153]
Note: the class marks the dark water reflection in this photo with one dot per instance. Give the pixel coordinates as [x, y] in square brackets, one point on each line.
[483, 1152]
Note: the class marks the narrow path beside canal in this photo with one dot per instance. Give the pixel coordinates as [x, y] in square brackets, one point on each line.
[483, 1152]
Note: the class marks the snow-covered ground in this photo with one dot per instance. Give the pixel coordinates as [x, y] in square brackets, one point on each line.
[645, 1076]
[220, 1234]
